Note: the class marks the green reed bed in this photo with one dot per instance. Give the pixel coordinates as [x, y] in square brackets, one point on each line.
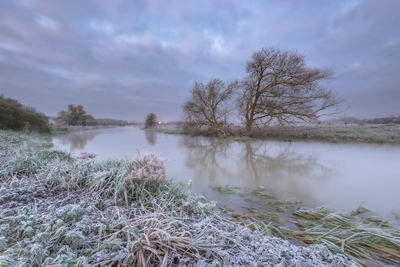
[363, 237]
[360, 238]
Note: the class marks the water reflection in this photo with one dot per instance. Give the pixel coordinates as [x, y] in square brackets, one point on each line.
[263, 160]
[77, 140]
[205, 155]
[280, 168]
[252, 164]
[151, 137]
[340, 176]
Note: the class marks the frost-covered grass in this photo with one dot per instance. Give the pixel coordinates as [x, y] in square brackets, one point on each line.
[58, 210]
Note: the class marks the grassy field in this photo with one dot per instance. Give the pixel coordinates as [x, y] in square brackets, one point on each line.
[55, 209]
[367, 133]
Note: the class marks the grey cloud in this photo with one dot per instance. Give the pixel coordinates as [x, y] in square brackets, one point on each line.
[123, 59]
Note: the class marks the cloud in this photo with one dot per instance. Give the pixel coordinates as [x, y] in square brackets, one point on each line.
[102, 27]
[124, 58]
[47, 23]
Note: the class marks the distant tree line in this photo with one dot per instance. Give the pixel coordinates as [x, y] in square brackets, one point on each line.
[77, 116]
[353, 120]
[278, 87]
[384, 120]
[110, 122]
[15, 116]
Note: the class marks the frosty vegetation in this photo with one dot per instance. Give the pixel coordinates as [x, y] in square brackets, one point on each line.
[149, 167]
[58, 210]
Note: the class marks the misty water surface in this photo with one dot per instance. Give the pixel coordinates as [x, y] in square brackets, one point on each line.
[338, 176]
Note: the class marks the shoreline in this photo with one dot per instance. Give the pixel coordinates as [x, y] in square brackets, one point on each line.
[91, 214]
[73, 129]
[352, 133]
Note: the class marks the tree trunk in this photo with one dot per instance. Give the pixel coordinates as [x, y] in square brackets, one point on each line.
[249, 123]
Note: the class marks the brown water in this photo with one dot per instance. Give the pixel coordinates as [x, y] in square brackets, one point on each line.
[339, 176]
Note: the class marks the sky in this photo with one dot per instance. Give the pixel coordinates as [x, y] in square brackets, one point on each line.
[123, 59]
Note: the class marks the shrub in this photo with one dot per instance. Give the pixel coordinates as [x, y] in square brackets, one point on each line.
[15, 116]
[150, 167]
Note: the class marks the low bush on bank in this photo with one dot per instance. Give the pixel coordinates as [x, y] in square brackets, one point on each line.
[15, 116]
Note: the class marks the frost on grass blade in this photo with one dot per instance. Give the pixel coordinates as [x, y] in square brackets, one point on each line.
[149, 167]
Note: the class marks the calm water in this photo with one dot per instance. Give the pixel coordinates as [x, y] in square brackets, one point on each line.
[338, 176]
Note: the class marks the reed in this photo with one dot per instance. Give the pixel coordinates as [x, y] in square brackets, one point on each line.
[364, 239]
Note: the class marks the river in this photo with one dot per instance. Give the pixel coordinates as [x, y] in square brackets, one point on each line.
[338, 176]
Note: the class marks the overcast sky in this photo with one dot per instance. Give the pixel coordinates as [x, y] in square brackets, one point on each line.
[123, 59]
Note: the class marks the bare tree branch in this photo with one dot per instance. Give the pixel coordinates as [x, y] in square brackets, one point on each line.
[280, 87]
[208, 105]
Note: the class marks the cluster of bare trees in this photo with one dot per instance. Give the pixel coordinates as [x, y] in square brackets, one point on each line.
[209, 105]
[278, 87]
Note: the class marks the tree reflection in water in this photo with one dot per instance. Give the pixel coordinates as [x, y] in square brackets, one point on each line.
[312, 172]
[205, 156]
[273, 165]
[77, 140]
[151, 137]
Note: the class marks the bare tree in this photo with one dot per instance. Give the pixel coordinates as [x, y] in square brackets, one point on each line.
[279, 86]
[208, 105]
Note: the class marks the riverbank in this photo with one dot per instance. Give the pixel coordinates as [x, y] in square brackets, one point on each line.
[58, 210]
[74, 128]
[369, 239]
[365, 133]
